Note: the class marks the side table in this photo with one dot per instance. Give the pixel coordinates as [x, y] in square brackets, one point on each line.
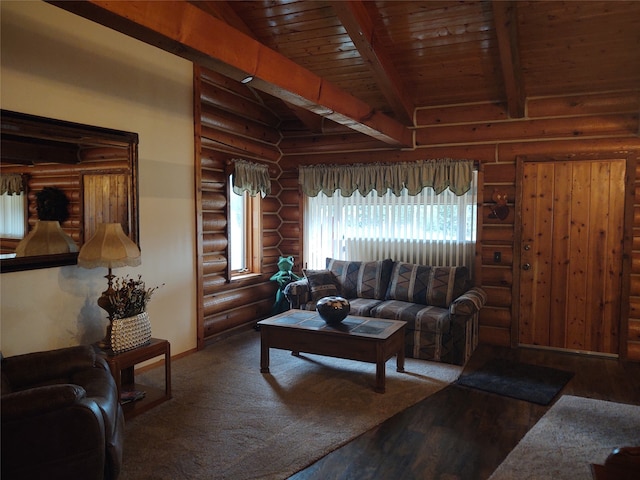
[122, 368]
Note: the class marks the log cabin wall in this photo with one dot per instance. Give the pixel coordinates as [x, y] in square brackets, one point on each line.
[382, 59]
[68, 178]
[231, 123]
[559, 126]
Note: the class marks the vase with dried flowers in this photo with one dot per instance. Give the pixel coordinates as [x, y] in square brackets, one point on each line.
[130, 296]
[130, 326]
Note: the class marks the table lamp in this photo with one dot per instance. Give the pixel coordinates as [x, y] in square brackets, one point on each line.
[46, 238]
[109, 248]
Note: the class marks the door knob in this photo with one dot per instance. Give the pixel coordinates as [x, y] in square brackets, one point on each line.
[526, 266]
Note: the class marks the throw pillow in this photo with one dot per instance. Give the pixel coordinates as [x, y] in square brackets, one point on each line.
[362, 279]
[447, 284]
[409, 283]
[322, 283]
[437, 286]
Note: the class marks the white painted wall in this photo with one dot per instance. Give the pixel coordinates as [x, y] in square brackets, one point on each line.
[56, 64]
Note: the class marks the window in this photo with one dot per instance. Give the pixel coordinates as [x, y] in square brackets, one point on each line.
[426, 228]
[244, 232]
[12, 215]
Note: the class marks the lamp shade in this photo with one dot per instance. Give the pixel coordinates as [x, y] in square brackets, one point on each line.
[110, 248]
[46, 238]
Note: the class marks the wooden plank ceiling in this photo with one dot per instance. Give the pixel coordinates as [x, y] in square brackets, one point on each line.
[374, 62]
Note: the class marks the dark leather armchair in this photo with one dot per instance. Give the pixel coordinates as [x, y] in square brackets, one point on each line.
[622, 464]
[61, 416]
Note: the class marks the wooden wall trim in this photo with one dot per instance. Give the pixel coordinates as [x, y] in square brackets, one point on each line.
[198, 178]
[628, 253]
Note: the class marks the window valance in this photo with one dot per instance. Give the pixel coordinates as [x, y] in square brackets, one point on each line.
[11, 183]
[414, 176]
[251, 177]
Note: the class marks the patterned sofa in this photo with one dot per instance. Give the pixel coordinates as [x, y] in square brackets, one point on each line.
[438, 303]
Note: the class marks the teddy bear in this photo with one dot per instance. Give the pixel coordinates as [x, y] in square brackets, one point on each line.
[284, 276]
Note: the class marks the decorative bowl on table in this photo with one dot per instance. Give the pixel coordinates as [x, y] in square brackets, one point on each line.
[333, 309]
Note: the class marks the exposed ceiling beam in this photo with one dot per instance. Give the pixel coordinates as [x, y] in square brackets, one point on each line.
[315, 123]
[359, 26]
[223, 11]
[506, 22]
[187, 31]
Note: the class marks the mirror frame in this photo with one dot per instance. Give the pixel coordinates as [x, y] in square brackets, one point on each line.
[33, 129]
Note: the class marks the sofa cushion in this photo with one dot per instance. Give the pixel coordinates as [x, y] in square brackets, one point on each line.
[418, 317]
[427, 285]
[322, 283]
[362, 306]
[362, 279]
[428, 330]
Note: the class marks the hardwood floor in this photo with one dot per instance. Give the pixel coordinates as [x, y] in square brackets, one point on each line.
[464, 434]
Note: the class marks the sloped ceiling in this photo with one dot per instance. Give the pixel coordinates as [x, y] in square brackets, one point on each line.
[375, 62]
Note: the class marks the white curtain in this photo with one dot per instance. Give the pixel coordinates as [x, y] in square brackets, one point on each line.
[427, 228]
[251, 177]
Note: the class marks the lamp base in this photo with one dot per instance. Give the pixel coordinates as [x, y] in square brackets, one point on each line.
[104, 302]
[105, 343]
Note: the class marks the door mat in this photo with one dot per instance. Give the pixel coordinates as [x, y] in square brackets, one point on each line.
[532, 383]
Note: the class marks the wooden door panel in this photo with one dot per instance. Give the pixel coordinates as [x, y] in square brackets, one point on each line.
[595, 318]
[536, 245]
[106, 200]
[571, 254]
[605, 334]
[560, 253]
[576, 294]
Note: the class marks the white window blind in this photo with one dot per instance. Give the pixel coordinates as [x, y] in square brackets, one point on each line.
[12, 210]
[426, 228]
[238, 229]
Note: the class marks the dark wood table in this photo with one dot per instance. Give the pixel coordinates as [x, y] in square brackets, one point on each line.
[122, 369]
[356, 338]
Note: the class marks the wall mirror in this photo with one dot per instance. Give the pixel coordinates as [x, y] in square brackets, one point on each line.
[96, 169]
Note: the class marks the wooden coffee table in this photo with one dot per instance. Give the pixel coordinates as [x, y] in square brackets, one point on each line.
[356, 338]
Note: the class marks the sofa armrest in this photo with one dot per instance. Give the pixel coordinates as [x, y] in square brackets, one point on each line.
[297, 293]
[40, 400]
[469, 303]
[102, 364]
[64, 442]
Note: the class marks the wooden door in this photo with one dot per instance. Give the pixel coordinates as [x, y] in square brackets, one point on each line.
[106, 200]
[571, 245]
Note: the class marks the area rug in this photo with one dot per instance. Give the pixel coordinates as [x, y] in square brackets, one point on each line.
[229, 421]
[573, 434]
[533, 383]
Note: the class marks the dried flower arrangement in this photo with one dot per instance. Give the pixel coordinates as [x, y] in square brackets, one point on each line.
[130, 296]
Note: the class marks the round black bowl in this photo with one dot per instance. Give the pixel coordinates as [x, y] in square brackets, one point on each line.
[333, 309]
